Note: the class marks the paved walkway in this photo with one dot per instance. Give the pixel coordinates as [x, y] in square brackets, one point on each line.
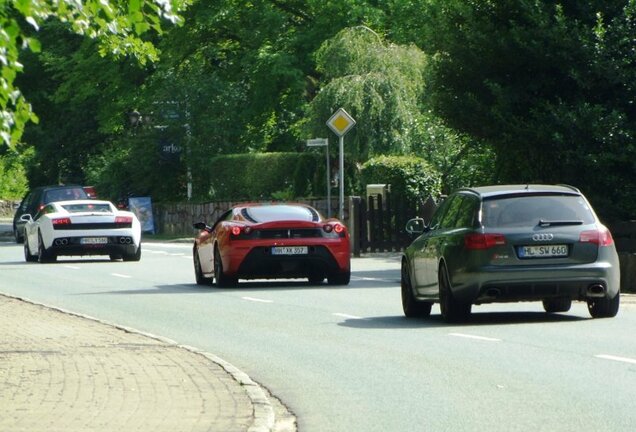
[63, 372]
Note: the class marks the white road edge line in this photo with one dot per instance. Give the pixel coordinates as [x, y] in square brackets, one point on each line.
[616, 358]
[71, 267]
[121, 275]
[467, 336]
[257, 300]
[342, 315]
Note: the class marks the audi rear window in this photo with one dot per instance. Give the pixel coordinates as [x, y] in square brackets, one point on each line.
[90, 208]
[531, 210]
[279, 213]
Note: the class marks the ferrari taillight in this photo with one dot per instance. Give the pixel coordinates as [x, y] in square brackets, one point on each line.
[236, 230]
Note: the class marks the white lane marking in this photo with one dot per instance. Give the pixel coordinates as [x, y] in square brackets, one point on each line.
[121, 275]
[176, 254]
[467, 336]
[187, 257]
[616, 358]
[71, 267]
[343, 315]
[257, 300]
[362, 278]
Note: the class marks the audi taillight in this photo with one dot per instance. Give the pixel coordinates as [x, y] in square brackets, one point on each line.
[600, 237]
[475, 241]
[61, 221]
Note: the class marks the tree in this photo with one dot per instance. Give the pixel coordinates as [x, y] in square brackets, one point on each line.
[549, 85]
[118, 25]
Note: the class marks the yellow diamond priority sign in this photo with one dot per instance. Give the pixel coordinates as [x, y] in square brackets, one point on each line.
[340, 122]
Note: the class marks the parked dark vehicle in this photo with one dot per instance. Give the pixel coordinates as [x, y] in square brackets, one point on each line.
[508, 244]
[38, 197]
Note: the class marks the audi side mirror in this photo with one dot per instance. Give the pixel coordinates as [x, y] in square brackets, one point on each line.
[415, 226]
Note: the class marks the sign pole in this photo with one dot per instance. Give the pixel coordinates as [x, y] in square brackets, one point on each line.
[340, 123]
[328, 183]
[341, 178]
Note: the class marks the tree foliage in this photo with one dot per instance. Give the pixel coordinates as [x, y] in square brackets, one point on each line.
[117, 24]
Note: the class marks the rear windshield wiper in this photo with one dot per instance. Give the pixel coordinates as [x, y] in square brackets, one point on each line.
[559, 222]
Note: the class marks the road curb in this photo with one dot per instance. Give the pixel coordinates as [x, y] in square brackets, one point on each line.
[264, 417]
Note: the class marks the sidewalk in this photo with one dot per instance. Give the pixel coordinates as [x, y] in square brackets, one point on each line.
[64, 372]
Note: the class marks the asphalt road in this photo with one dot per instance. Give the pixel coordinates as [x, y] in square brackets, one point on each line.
[345, 359]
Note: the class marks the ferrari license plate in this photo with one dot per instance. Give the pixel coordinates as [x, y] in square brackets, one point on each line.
[546, 251]
[94, 240]
[290, 250]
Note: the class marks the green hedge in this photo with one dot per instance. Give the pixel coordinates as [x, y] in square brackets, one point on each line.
[263, 176]
[409, 176]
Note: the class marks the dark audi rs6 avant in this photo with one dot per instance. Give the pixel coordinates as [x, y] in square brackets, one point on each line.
[508, 244]
[267, 241]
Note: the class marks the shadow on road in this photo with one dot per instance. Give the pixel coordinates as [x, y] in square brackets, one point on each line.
[476, 319]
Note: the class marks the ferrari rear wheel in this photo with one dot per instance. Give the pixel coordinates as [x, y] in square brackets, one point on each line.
[339, 278]
[222, 280]
[198, 273]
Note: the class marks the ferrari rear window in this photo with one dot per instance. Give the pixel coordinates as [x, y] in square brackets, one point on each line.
[82, 208]
[279, 212]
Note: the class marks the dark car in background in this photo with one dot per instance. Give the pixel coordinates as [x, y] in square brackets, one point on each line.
[511, 243]
[40, 196]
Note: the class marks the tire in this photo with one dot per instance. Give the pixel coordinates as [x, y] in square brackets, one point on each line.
[18, 238]
[452, 309]
[410, 305]
[604, 307]
[315, 280]
[44, 255]
[557, 305]
[339, 278]
[222, 280]
[28, 256]
[134, 256]
[198, 273]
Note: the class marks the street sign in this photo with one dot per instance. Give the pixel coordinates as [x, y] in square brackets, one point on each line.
[317, 142]
[340, 122]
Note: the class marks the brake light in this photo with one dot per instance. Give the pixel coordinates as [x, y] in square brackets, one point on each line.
[123, 219]
[600, 237]
[236, 230]
[475, 241]
[338, 228]
[61, 221]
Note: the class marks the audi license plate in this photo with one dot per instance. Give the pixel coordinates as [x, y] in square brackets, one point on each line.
[93, 240]
[290, 250]
[545, 251]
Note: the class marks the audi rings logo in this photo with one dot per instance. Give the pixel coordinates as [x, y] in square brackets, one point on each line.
[542, 237]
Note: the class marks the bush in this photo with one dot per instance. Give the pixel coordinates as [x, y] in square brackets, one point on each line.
[409, 176]
[13, 181]
[255, 176]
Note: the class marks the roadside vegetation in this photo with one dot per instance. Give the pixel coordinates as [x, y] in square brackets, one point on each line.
[481, 92]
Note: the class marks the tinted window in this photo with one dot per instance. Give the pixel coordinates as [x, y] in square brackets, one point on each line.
[79, 208]
[439, 214]
[279, 212]
[466, 212]
[66, 194]
[529, 210]
[448, 220]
